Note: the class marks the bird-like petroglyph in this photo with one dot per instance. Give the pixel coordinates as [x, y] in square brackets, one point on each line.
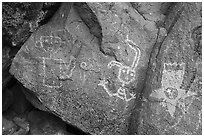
[170, 91]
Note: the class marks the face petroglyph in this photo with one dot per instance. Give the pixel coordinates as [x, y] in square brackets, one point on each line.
[126, 75]
[46, 42]
[54, 41]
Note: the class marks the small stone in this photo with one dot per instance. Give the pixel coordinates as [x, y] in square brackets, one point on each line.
[8, 127]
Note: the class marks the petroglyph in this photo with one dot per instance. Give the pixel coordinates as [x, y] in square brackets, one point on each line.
[48, 43]
[103, 84]
[50, 74]
[67, 69]
[126, 73]
[55, 69]
[135, 49]
[91, 65]
[121, 93]
[170, 91]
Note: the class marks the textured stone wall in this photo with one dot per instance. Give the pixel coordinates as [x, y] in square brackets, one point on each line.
[118, 68]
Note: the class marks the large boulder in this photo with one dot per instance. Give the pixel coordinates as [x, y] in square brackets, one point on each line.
[95, 81]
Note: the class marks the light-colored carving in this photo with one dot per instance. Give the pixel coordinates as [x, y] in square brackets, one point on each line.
[170, 91]
[126, 74]
[50, 80]
[103, 84]
[121, 92]
[67, 70]
[91, 65]
[136, 50]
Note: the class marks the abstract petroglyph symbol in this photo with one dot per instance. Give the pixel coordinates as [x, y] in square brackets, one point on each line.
[104, 83]
[126, 74]
[50, 78]
[55, 69]
[170, 91]
[135, 49]
[91, 64]
[121, 93]
[67, 69]
[127, 95]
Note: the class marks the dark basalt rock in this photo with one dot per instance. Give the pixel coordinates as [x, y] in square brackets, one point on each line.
[65, 69]
[20, 103]
[170, 115]
[89, 18]
[7, 99]
[19, 20]
[197, 38]
[43, 123]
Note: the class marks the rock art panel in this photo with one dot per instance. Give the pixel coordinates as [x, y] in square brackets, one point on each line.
[71, 75]
[169, 96]
[139, 73]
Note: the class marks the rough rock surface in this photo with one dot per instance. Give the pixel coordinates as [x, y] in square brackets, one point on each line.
[98, 84]
[19, 20]
[42, 123]
[172, 97]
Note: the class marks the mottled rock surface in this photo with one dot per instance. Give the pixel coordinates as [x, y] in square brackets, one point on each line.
[19, 20]
[172, 101]
[43, 123]
[110, 82]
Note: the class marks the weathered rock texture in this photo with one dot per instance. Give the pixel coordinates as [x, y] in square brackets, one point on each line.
[172, 101]
[96, 81]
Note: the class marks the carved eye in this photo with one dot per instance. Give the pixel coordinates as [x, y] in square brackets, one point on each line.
[124, 70]
[46, 39]
[38, 44]
[132, 74]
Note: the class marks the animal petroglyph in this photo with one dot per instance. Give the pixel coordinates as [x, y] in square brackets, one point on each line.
[126, 74]
[170, 91]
